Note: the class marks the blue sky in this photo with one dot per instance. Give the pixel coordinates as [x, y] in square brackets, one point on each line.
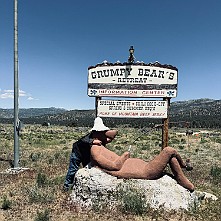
[59, 39]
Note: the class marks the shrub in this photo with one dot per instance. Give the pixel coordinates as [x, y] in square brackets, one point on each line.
[215, 172]
[35, 156]
[132, 200]
[57, 155]
[41, 180]
[174, 141]
[157, 143]
[43, 216]
[117, 147]
[146, 146]
[218, 140]
[62, 141]
[58, 180]
[154, 137]
[6, 204]
[181, 147]
[203, 140]
[99, 205]
[183, 141]
[50, 160]
[36, 195]
[155, 152]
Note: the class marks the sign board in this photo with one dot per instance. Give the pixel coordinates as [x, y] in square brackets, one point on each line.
[132, 108]
[132, 81]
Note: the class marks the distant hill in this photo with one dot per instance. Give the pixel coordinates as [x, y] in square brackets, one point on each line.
[199, 113]
[30, 112]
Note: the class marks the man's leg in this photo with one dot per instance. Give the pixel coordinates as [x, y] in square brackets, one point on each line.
[155, 167]
[73, 168]
[179, 175]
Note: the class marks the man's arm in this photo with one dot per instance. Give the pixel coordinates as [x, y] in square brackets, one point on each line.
[104, 163]
[89, 140]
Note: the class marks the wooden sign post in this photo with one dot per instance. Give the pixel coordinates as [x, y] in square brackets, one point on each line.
[96, 105]
[165, 128]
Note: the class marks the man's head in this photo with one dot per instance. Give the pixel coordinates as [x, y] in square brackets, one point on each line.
[101, 132]
[105, 136]
[111, 134]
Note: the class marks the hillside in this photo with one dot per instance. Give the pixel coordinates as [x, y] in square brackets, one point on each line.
[200, 113]
[30, 112]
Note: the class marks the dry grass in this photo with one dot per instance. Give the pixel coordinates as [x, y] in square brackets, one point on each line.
[36, 194]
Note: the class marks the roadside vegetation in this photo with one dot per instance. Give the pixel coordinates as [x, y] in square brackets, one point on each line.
[36, 194]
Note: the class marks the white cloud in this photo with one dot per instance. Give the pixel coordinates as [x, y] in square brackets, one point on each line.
[32, 99]
[22, 93]
[9, 94]
[7, 90]
[6, 95]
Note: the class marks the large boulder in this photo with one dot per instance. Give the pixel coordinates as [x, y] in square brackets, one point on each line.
[94, 187]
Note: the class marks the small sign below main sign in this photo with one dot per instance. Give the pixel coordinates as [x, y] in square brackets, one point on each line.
[132, 108]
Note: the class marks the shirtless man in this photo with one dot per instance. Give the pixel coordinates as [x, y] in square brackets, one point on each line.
[125, 167]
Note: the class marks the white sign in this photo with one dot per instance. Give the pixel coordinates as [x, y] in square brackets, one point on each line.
[132, 81]
[132, 108]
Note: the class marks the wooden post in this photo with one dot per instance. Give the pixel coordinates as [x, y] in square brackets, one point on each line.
[96, 104]
[165, 128]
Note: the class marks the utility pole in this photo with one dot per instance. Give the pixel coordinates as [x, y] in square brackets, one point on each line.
[17, 124]
[16, 90]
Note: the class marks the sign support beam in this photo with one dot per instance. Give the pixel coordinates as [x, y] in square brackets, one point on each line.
[165, 128]
[96, 105]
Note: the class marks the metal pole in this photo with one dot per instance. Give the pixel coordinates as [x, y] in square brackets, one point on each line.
[16, 91]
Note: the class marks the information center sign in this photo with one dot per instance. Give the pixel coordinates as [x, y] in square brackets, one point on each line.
[132, 81]
[132, 109]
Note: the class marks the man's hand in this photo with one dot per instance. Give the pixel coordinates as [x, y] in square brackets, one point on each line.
[96, 142]
[126, 155]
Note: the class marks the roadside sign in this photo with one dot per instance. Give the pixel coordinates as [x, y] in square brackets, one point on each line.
[132, 108]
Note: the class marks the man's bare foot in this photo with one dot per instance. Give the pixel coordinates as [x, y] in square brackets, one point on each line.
[188, 165]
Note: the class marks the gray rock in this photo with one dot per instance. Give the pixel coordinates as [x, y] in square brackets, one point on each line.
[94, 187]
